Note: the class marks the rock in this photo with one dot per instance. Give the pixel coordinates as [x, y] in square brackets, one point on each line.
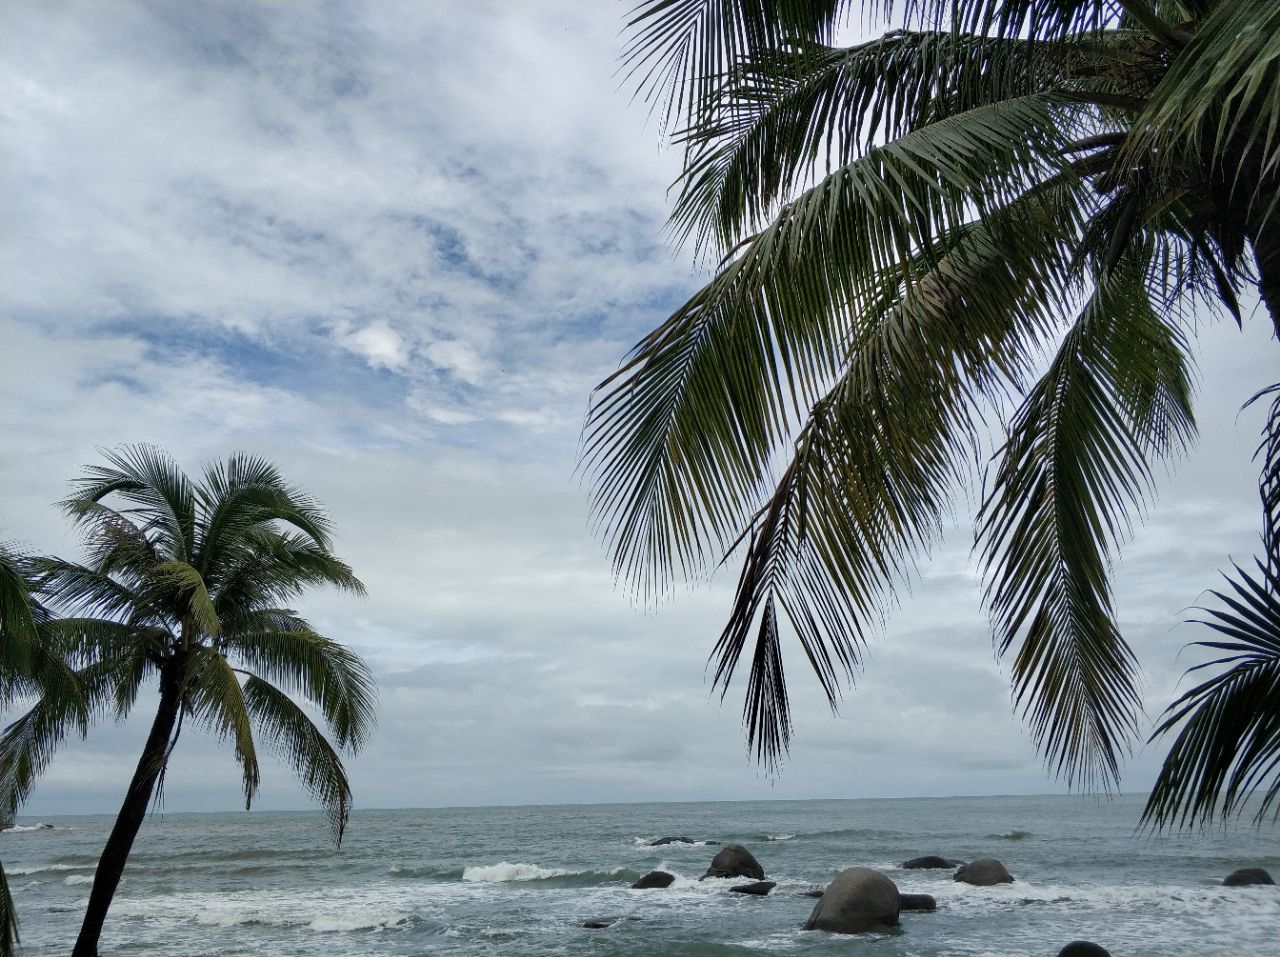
[984, 872]
[814, 892]
[663, 841]
[1246, 877]
[734, 860]
[917, 902]
[857, 900]
[930, 861]
[1083, 948]
[598, 923]
[654, 879]
[759, 888]
[711, 843]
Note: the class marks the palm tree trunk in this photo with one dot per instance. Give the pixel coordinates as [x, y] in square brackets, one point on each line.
[133, 811]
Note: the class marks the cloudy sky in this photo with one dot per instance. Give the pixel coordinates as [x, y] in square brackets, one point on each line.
[392, 246]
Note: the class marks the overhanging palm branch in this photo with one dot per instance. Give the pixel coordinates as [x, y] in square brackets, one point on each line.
[805, 404]
[1227, 750]
[679, 437]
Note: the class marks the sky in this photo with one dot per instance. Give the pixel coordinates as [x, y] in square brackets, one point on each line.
[392, 247]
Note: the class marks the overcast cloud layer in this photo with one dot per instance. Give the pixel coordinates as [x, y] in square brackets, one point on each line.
[392, 247]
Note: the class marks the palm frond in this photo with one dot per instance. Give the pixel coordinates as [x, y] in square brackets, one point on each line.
[783, 112]
[286, 651]
[247, 492]
[213, 694]
[677, 49]
[148, 477]
[871, 469]
[1228, 747]
[9, 937]
[678, 439]
[1073, 469]
[284, 725]
[1216, 108]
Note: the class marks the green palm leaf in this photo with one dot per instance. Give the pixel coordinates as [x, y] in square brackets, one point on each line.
[1228, 747]
[1074, 468]
[679, 436]
[293, 735]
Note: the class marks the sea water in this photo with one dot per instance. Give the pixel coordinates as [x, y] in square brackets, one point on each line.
[524, 880]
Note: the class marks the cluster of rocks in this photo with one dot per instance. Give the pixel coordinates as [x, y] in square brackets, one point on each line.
[862, 899]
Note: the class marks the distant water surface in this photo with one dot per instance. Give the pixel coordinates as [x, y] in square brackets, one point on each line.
[522, 880]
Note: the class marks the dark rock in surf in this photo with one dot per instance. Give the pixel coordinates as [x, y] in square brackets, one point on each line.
[815, 892]
[599, 923]
[930, 861]
[1083, 948]
[917, 902]
[1247, 877]
[734, 860]
[859, 899]
[984, 872]
[759, 888]
[664, 841]
[654, 879]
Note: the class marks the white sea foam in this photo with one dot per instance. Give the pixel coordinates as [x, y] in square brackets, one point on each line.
[23, 828]
[45, 868]
[75, 879]
[505, 871]
[778, 837]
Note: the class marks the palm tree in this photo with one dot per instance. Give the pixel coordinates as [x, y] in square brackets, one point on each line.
[905, 230]
[184, 583]
[29, 665]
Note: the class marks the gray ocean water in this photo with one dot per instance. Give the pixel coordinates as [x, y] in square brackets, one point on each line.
[522, 881]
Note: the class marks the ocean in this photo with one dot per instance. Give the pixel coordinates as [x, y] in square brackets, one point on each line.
[523, 881]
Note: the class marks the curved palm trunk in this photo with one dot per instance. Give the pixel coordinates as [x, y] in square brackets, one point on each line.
[133, 811]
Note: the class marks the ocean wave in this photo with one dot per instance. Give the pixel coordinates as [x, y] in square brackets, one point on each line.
[47, 868]
[777, 837]
[1010, 836]
[74, 879]
[23, 828]
[505, 871]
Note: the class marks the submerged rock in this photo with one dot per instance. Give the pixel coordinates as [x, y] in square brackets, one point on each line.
[759, 888]
[984, 872]
[654, 879]
[917, 902]
[734, 860]
[859, 899]
[1247, 877]
[599, 923]
[663, 841]
[930, 861]
[813, 892]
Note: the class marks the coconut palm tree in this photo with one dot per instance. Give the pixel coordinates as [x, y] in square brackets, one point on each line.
[1001, 211]
[29, 666]
[184, 585]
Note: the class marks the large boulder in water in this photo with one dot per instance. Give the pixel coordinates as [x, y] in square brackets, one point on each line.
[984, 872]
[654, 879]
[759, 888]
[930, 861]
[858, 899]
[664, 841]
[734, 860]
[917, 902]
[1246, 877]
[1083, 948]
